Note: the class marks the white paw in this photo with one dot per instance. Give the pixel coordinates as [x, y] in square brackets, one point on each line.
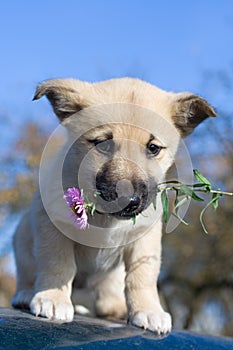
[53, 305]
[159, 321]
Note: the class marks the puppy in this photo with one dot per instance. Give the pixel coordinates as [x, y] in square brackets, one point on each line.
[122, 136]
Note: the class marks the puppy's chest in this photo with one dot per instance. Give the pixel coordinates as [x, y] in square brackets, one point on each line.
[91, 260]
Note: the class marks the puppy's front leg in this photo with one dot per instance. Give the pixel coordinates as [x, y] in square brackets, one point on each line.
[142, 261]
[55, 272]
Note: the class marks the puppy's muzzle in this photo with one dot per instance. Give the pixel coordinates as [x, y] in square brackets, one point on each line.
[123, 198]
[125, 206]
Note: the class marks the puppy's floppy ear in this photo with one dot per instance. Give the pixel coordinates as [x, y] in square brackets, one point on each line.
[64, 95]
[189, 110]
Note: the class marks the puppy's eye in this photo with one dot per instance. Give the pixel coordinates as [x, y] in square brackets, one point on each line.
[153, 149]
[104, 146]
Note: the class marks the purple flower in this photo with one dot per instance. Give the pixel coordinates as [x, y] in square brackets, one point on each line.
[74, 199]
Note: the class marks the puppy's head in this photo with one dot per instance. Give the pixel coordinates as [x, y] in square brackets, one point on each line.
[124, 171]
[128, 135]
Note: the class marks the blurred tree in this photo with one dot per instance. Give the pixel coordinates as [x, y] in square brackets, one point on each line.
[27, 149]
[7, 284]
[18, 181]
[25, 157]
[197, 276]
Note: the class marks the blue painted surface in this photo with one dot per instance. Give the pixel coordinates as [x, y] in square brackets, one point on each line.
[22, 331]
[174, 341]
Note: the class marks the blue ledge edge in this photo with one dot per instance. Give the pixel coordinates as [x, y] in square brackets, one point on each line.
[21, 330]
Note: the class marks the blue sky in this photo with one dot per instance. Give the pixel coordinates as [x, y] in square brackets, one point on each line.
[168, 43]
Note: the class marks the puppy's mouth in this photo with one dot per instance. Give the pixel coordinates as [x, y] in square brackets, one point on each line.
[131, 206]
[124, 207]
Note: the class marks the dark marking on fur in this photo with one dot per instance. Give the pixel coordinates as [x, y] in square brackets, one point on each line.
[152, 137]
[132, 97]
[64, 100]
[103, 137]
[189, 111]
[103, 132]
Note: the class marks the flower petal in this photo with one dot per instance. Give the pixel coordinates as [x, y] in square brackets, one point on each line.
[73, 197]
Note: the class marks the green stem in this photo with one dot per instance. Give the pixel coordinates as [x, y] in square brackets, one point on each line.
[222, 192]
[193, 188]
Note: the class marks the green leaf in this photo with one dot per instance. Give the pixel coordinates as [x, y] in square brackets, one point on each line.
[97, 193]
[155, 202]
[177, 195]
[201, 219]
[214, 202]
[93, 209]
[180, 203]
[165, 205]
[184, 189]
[169, 182]
[198, 185]
[179, 218]
[196, 197]
[201, 178]
[215, 199]
[133, 218]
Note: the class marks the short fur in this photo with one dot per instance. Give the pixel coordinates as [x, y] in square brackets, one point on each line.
[121, 280]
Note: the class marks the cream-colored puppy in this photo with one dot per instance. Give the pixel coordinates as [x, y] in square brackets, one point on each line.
[122, 138]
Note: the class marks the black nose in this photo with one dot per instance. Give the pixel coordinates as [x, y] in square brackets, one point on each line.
[133, 204]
